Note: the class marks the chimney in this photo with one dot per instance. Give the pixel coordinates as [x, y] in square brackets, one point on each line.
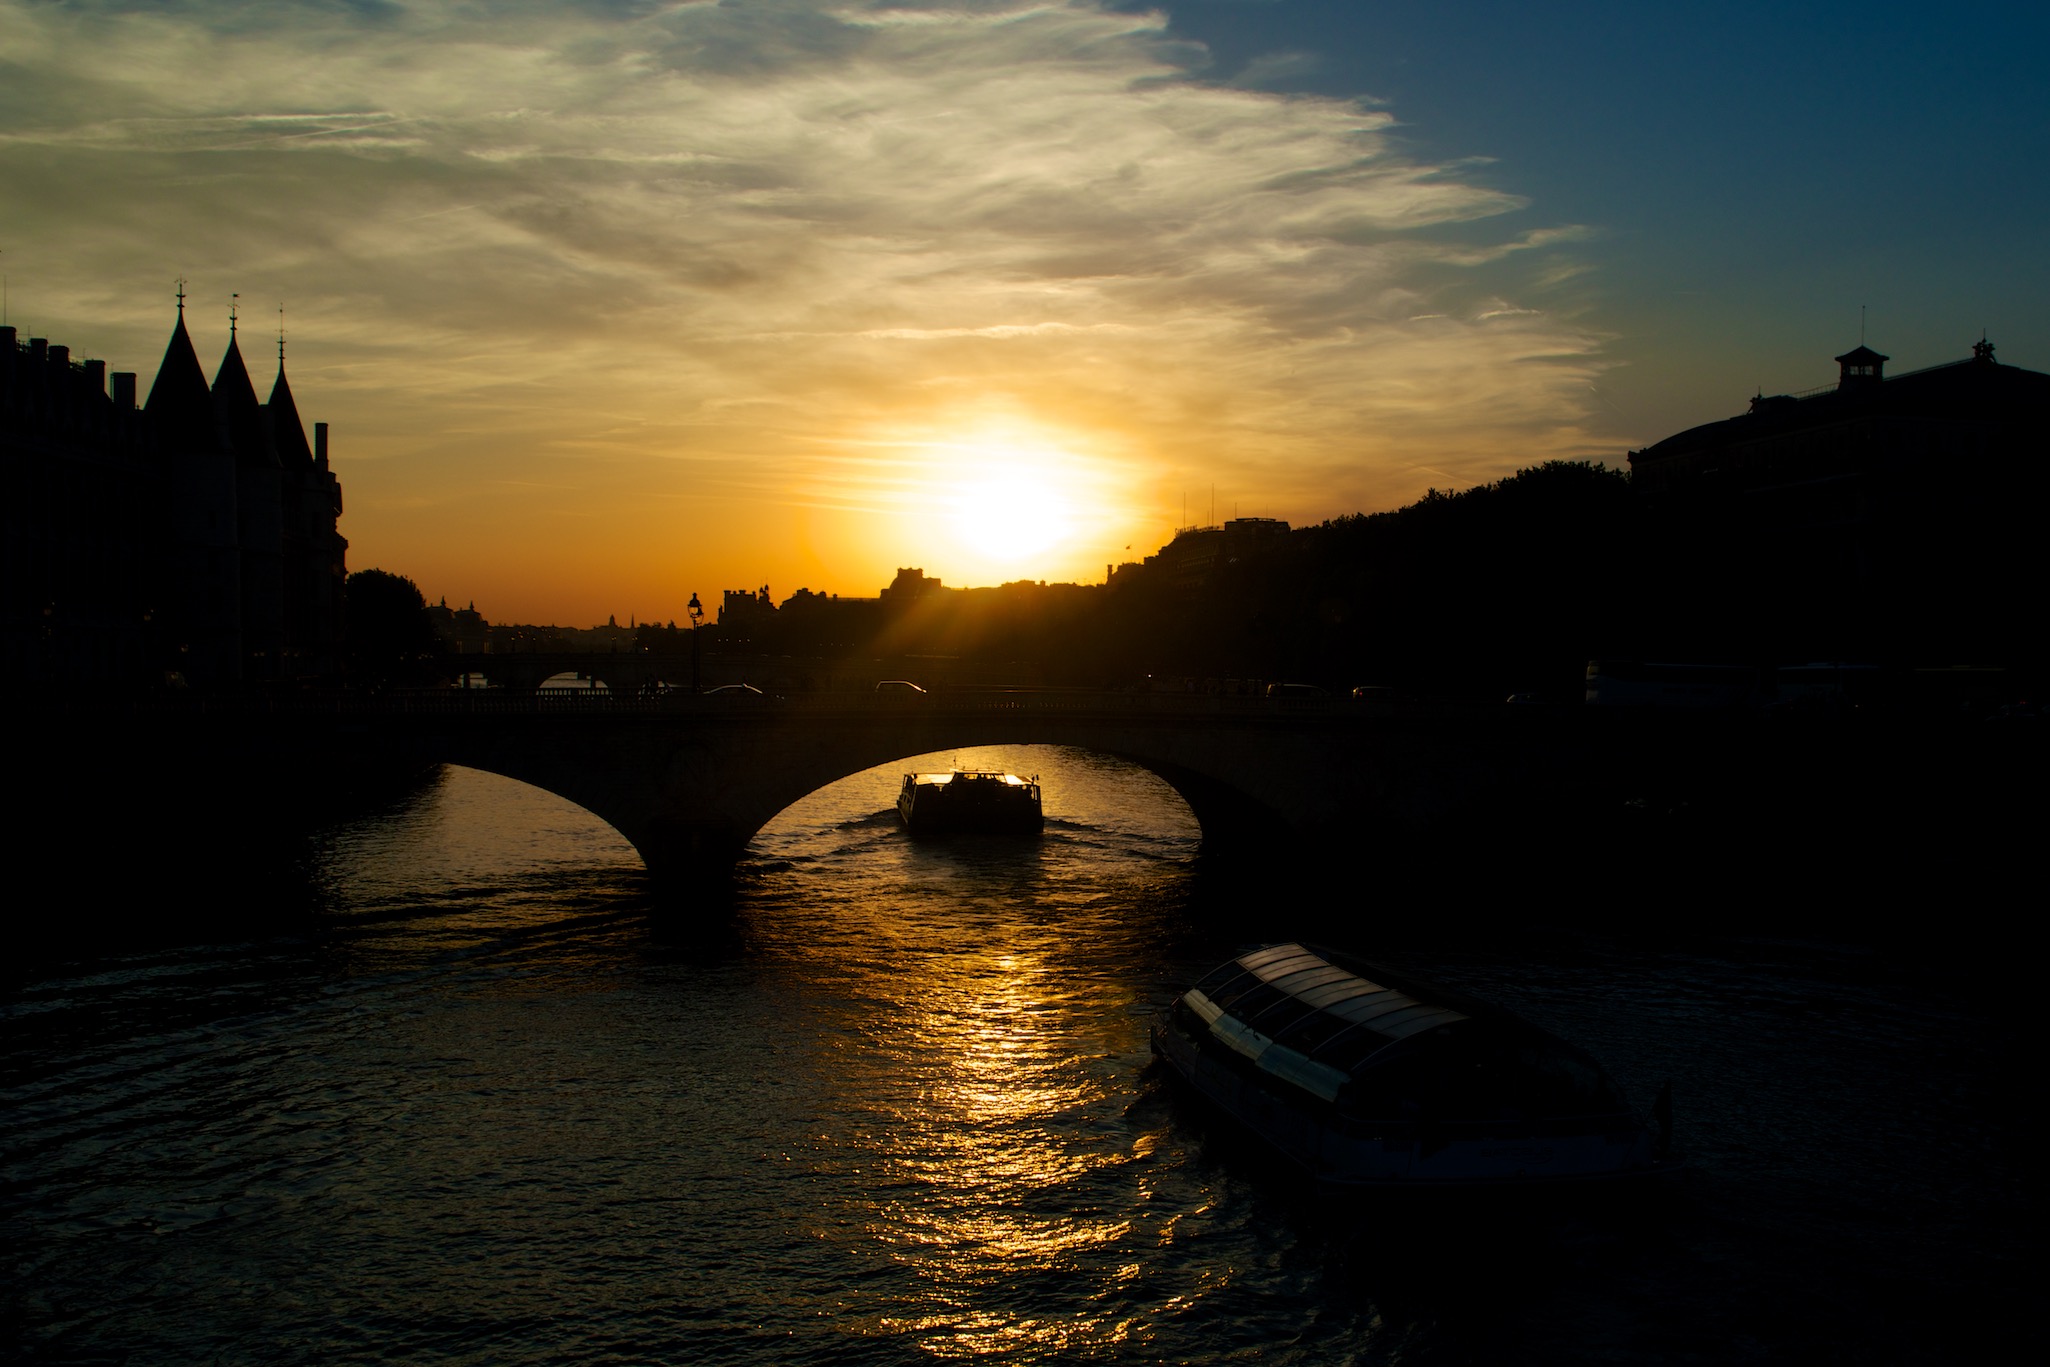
[96, 374]
[320, 446]
[38, 349]
[7, 336]
[124, 389]
[60, 357]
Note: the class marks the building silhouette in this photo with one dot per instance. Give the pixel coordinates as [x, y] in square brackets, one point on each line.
[911, 587]
[189, 541]
[1877, 516]
[464, 629]
[1196, 556]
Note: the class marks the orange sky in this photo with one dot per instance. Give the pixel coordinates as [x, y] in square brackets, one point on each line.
[610, 306]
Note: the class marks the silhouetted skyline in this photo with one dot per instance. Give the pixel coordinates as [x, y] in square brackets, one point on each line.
[608, 301]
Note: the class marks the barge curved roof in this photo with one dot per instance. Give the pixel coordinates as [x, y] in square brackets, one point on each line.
[1316, 982]
[1319, 1023]
[971, 775]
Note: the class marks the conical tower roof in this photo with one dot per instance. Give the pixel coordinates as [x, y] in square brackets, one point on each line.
[241, 417]
[178, 400]
[288, 433]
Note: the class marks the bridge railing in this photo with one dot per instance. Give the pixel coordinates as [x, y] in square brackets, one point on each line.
[458, 702]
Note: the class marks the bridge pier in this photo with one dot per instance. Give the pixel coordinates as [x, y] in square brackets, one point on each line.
[1234, 824]
[687, 854]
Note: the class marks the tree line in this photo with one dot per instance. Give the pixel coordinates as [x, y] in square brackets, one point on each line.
[1499, 585]
[1507, 587]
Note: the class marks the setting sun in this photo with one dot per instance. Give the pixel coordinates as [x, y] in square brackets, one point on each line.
[997, 495]
[1010, 515]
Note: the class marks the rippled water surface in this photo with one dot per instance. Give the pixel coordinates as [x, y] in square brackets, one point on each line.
[461, 1095]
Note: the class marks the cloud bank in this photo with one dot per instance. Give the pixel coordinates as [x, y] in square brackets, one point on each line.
[786, 261]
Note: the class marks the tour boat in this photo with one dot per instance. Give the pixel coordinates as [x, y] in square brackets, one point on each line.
[969, 802]
[1364, 1080]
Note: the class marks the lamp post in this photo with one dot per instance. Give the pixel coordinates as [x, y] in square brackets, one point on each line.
[697, 615]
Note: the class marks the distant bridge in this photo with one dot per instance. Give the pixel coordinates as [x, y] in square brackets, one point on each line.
[625, 671]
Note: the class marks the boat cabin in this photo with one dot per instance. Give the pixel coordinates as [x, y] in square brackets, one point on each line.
[969, 802]
[1377, 1051]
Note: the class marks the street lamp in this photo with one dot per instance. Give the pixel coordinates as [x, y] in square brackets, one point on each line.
[697, 615]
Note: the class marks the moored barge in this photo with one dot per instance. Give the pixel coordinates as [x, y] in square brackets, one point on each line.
[1364, 1081]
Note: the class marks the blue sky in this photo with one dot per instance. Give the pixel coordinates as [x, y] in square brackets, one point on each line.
[1751, 174]
[611, 303]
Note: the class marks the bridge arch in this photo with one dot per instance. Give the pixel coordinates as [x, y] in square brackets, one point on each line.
[690, 780]
[1085, 790]
[511, 819]
[754, 796]
[689, 788]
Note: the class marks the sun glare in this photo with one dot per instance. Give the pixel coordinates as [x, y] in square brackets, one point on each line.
[1009, 496]
[1010, 516]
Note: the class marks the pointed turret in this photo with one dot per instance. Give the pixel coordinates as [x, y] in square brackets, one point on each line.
[179, 403]
[202, 618]
[288, 433]
[235, 406]
[260, 512]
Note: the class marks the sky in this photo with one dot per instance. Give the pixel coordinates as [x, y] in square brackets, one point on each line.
[611, 303]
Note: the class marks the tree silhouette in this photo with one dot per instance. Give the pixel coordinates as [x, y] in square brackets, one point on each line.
[389, 640]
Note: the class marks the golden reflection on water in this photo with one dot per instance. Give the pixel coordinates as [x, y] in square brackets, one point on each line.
[984, 1138]
[979, 1029]
[978, 1333]
[463, 861]
[978, 1042]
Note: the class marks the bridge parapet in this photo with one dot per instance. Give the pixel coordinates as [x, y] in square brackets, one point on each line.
[505, 702]
[690, 779]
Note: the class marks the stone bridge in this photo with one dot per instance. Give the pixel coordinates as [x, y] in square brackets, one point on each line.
[690, 780]
[621, 671]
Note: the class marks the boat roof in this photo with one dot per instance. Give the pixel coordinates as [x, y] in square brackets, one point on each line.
[994, 775]
[1319, 1024]
[1316, 982]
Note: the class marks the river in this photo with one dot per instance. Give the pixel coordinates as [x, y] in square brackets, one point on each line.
[447, 1087]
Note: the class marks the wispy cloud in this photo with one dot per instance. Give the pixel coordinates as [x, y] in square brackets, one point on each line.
[756, 235]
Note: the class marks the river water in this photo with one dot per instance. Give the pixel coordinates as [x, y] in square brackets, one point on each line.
[447, 1087]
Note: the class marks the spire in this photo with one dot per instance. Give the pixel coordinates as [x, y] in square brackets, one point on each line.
[178, 399]
[288, 432]
[235, 406]
[232, 384]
